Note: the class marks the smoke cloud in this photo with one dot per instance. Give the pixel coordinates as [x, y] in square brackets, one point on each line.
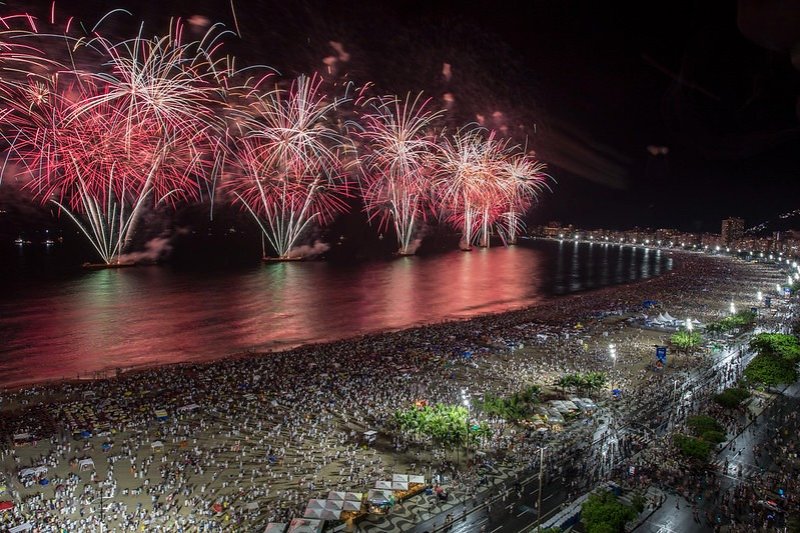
[306, 251]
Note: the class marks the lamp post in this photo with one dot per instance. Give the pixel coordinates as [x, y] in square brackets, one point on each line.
[613, 352]
[465, 401]
[539, 503]
[733, 308]
[689, 326]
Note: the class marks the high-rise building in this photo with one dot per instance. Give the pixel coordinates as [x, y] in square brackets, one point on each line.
[732, 229]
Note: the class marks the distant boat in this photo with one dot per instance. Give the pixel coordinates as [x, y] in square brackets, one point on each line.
[18, 241]
[49, 242]
[103, 266]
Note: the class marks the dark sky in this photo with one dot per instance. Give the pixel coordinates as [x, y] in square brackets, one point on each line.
[590, 84]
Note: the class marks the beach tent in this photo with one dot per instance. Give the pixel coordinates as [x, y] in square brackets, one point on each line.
[5, 506]
[336, 495]
[157, 444]
[383, 485]
[370, 436]
[275, 527]
[305, 525]
[161, 415]
[668, 317]
[27, 526]
[399, 485]
[661, 318]
[86, 464]
[23, 438]
[251, 506]
[30, 472]
[188, 407]
[416, 479]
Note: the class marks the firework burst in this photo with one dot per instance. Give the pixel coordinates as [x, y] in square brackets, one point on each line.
[400, 147]
[468, 186]
[289, 171]
[100, 146]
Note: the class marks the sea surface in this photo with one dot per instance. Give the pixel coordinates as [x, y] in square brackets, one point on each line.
[84, 322]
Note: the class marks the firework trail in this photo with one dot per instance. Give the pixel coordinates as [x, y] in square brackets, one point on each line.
[400, 149]
[289, 171]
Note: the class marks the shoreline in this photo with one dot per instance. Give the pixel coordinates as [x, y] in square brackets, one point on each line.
[543, 302]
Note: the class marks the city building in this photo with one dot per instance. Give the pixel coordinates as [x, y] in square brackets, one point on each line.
[732, 230]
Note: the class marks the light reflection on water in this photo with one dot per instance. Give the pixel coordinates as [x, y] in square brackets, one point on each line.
[106, 319]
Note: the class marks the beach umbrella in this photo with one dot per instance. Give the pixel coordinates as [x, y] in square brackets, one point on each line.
[5, 506]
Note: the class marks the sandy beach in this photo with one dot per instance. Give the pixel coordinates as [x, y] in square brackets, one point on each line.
[234, 444]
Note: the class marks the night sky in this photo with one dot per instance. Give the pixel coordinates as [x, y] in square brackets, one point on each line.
[589, 85]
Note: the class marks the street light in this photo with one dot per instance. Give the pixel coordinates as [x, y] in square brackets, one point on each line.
[733, 308]
[539, 504]
[689, 326]
[465, 401]
[759, 296]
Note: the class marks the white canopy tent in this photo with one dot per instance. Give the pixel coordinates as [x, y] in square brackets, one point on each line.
[351, 505]
[86, 464]
[275, 527]
[334, 505]
[322, 514]
[378, 494]
[305, 525]
[33, 471]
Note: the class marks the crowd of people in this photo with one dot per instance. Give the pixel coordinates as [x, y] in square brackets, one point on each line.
[250, 440]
